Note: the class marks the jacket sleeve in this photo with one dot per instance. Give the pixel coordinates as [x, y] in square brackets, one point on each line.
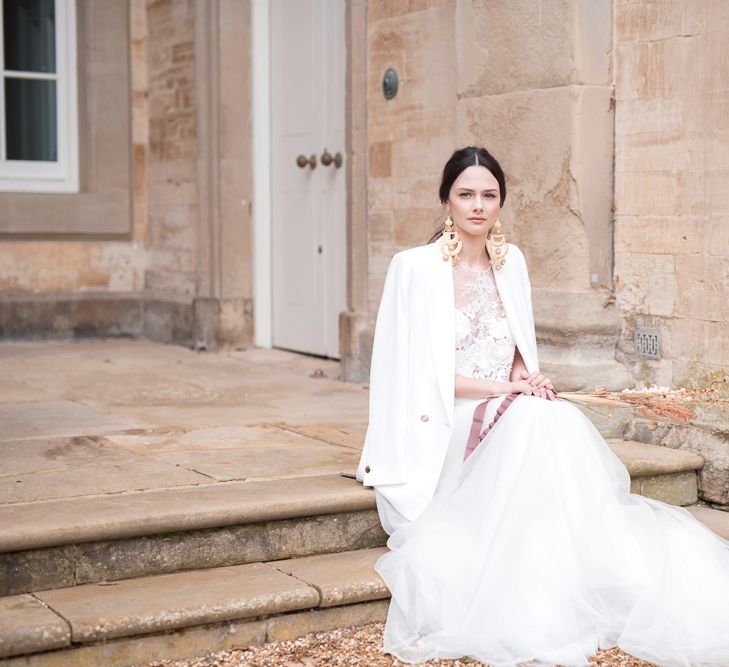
[383, 454]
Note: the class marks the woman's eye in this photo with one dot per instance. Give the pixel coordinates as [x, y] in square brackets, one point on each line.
[465, 194]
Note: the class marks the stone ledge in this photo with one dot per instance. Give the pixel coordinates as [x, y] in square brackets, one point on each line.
[242, 595]
[202, 639]
[643, 460]
[246, 609]
[124, 515]
[27, 625]
[111, 560]
[340, 578]
[146, 605]
[118, 516]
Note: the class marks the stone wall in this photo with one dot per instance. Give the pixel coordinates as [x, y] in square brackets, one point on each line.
[48, 266]
[671, 185]
[672, 211]
[179, 270]
[478, 73]
[171, 240]
[412, 135]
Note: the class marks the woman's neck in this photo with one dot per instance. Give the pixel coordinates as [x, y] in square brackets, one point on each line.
[473, 253]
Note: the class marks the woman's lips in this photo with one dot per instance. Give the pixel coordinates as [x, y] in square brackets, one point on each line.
[477, 219]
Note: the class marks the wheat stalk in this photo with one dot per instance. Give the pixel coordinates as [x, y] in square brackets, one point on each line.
[656, 403]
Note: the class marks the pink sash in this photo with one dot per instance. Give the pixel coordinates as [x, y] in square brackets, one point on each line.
[476, 436]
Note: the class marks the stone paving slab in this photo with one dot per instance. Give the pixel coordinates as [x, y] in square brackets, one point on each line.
[94, 417]
[52, 454]
[27, 625]
[341, 578]
[345, 434]
[14, 391]
[130, 607]
[244, 452]
[48, 418]
[117, 516]
[191, 417]
[110, 478]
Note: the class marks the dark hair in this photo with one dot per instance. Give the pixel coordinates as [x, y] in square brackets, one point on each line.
[459, 162]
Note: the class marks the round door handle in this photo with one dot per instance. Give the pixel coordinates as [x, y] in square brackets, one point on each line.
[302, 161]
[327, 159]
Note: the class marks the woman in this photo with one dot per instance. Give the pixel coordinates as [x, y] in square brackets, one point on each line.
[525, 547]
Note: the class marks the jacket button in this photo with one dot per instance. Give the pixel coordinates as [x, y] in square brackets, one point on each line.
[424, 418]
[367, 468]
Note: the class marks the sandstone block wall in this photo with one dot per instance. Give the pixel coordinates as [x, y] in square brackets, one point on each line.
[533, 84]
[182, 271]
[671, 185]
[411, 136]
[46, 266]
[171, 238]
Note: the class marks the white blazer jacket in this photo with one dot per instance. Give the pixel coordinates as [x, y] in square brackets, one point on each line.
[412, 374]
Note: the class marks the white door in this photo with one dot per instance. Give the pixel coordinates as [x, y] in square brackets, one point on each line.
[308, 205]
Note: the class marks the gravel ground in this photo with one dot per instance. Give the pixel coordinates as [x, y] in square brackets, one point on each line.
[360, 646]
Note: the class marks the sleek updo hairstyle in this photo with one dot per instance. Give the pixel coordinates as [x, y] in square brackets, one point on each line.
[458, 162]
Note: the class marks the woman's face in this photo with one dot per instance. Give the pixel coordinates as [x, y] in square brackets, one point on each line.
[473, 202]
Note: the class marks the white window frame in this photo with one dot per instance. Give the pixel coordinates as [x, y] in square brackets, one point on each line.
[61, 175]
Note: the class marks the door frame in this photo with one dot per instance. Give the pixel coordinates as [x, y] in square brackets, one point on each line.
[262, 223]
[356, 175]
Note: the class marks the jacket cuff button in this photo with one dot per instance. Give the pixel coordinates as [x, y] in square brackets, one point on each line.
[424, 418]
[367, 468]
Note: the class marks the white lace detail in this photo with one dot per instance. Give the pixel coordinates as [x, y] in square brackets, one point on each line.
[484, 344]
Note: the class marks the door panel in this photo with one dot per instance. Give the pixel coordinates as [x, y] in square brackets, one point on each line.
[309, 205]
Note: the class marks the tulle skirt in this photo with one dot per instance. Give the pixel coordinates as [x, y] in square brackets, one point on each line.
[534, 551]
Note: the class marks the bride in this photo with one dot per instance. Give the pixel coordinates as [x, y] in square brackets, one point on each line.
[514, 538]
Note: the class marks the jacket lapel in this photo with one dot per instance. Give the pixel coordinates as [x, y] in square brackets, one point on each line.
[442, 327]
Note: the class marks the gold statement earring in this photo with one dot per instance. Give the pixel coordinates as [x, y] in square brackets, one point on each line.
[450, 242]
[496, 245]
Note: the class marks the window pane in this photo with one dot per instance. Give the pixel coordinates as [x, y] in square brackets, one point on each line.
[30, 113]
[29, 32]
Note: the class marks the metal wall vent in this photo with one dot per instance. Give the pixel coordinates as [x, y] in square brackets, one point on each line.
[648, 343]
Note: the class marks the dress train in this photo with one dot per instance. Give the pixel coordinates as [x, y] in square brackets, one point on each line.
[534, 551]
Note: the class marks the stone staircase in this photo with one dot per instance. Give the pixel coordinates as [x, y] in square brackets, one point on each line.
[130, 578]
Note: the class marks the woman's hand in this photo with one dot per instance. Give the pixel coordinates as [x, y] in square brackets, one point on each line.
[542, 386]
[522, 387]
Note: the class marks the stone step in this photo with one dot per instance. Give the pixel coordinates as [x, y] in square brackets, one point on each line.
[106, 538]
[76, 541]
[716, 520]
[186, 614]
[670, 475]
[181, 615]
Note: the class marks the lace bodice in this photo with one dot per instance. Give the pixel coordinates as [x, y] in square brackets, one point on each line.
[484, 344]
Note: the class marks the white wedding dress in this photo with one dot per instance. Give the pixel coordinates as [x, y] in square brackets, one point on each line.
[533, 551]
